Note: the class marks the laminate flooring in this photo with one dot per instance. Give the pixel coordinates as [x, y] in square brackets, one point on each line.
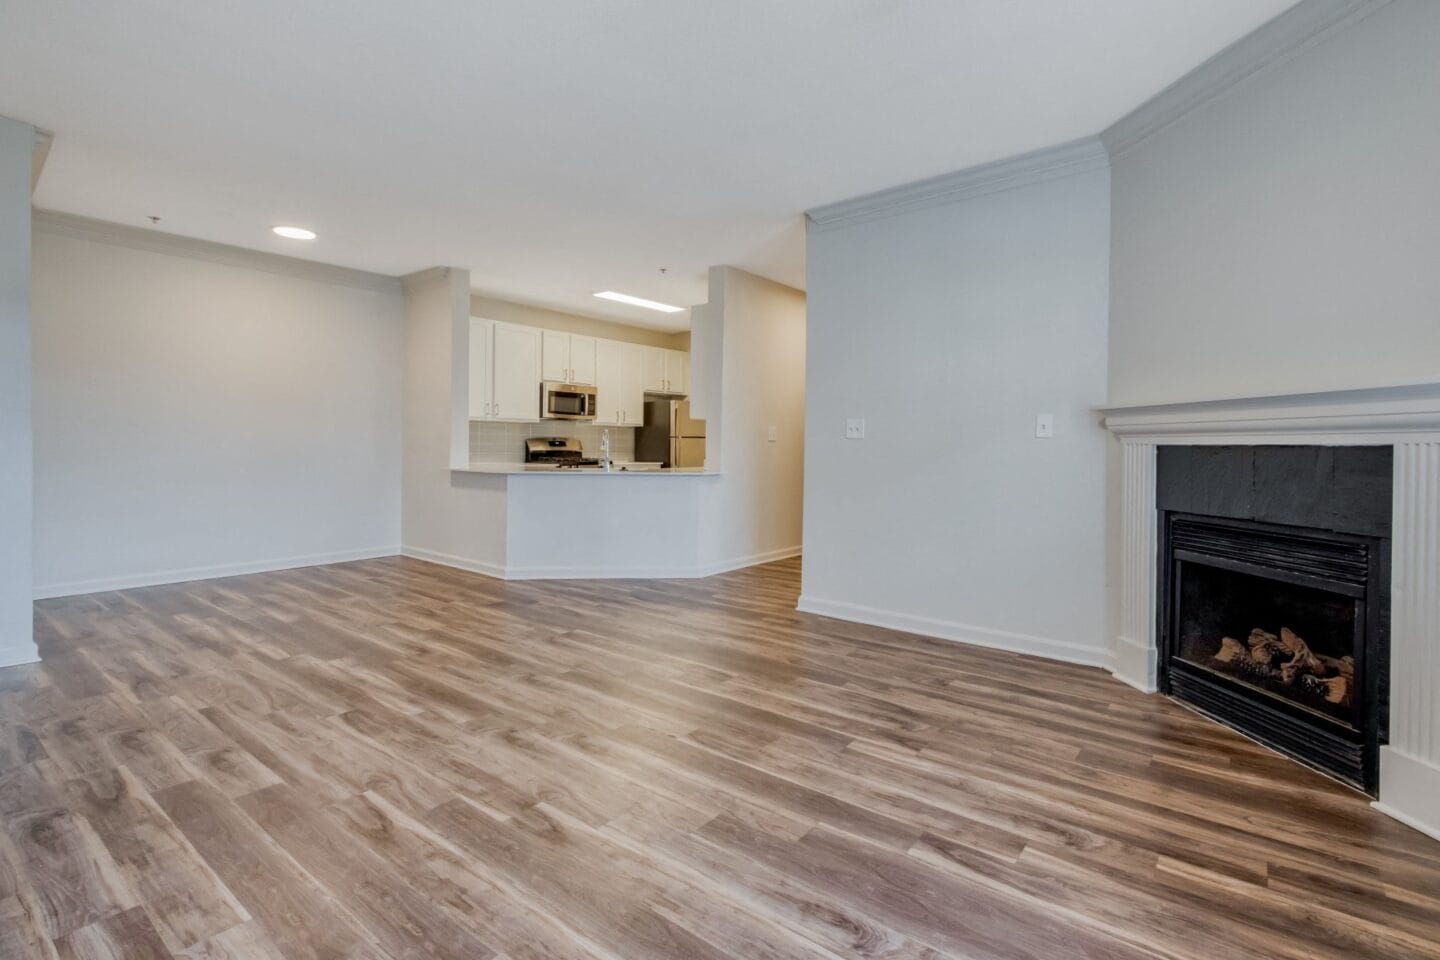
[391, 759]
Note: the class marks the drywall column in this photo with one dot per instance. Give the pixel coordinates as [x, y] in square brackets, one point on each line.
[1410, 763]
[17, 639]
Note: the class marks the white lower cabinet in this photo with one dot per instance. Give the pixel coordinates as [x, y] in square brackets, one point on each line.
[504, 371]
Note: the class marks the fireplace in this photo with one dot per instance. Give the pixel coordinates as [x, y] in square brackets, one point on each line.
[1274, 596]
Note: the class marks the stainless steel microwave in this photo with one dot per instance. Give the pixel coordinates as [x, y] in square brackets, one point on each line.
[567, 401]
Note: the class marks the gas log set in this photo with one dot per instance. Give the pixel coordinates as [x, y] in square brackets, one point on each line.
[1288, 662]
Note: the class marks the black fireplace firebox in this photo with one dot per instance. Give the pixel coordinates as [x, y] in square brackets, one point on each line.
[1274, 596]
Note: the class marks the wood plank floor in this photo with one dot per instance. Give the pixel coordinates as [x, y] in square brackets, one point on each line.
[391, 759]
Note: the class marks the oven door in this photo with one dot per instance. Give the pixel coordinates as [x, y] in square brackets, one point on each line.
[567, 401]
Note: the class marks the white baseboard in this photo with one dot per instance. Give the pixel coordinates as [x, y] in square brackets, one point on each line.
[158, 577]
[656, 572]
[450, 560]
[754, 560]
[1134, 664]
[15, 656]
[959, 632]
[1410, 791]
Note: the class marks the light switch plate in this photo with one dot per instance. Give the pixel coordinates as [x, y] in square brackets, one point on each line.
[854, 429]
[1045, 425]
[770, 435]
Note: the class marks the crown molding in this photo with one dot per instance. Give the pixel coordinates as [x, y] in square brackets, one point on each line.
[41, 153]
[429, 277]
[154, 241]
[1277, 42]
[1053, 163]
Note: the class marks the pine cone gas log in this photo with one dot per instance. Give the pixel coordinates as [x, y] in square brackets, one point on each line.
[1287, 660]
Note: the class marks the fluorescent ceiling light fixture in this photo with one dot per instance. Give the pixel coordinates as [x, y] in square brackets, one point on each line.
[638, 301]
[294, 233]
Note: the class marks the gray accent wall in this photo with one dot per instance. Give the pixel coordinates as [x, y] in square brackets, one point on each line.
[1286, 237]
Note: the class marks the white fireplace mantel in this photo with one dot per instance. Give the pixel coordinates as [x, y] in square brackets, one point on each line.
[1405, 417]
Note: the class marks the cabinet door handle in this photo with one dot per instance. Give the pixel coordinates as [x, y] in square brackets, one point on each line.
[497, 409]
[487, 409]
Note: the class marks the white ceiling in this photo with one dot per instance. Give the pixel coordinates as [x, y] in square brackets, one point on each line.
[561, 147]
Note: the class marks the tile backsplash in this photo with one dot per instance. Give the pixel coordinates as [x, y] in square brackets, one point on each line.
[492, 442]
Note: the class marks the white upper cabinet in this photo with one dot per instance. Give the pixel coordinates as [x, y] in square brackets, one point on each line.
[666, 371]
[555, 356]
[609, 382]
[655, 369]
[515, 378]
[508, 362]
[677, 367]
[632, 384]
[619, 384]
[582, 359]
[568, 357]
[480, 396]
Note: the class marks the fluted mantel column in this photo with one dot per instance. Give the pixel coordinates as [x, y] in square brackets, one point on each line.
[1410, 765]
[1134, 654]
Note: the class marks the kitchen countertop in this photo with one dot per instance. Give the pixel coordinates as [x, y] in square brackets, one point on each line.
[538, 469]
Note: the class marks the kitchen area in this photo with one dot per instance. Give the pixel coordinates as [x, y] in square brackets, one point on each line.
[546, 400]
[552, 445]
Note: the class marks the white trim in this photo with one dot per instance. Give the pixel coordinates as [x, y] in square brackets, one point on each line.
[503, 572]
[16, 656]
[1284, 38]
[482, 567]
[44, 139]
[754, 560]
[1062, 650]
[156, 241]
[159, 577]
[1381, 415]
[1410, 791]
[1053, 163]
[1134, 664]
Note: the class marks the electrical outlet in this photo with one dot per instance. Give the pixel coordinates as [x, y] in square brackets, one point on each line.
[770, 435]
[854, 429]
[1045, 425]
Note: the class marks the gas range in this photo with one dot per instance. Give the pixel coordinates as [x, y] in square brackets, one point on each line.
[562, 453]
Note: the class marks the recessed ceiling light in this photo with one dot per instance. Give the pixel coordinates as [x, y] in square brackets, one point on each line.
[638, 301]
[294, 233]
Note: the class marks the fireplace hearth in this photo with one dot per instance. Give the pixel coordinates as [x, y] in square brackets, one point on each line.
[1274, 596]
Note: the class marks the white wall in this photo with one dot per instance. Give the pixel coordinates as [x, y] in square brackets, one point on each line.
[196, 417]
[1286, 238]
[453, 518]
[17, 143]
[948, 329]
[749, 341]
[493, 308]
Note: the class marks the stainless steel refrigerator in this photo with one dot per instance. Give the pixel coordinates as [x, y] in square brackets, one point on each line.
[670, 435]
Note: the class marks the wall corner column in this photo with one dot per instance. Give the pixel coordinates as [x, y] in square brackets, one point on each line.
[18, 143]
